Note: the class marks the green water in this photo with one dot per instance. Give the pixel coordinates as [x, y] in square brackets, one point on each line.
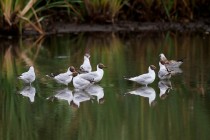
[182, 113]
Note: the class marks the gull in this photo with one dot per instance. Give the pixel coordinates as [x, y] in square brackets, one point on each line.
[86, 67]
[29, 91]
[96, 90]
[146, 78]
[80, 96]
[147, 92]
[163, 73]
[94, 76]
[170, 63]
[29, 76]
[175, 71]
[63, 78]
[79, 82]
[64, 94]
[165, 87]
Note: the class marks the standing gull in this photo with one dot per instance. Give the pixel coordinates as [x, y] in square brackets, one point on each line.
[29, 76]
[146, 78]
[86, 66]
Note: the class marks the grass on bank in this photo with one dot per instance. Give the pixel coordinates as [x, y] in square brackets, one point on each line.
[19, 14]
[102, 10]
[22, 14]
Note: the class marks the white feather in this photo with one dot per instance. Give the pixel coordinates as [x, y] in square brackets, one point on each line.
[63, 78]
[29, 76]
[94, 76]
[86, 66]
[163, 72]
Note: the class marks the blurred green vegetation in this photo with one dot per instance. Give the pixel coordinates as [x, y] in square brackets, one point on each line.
[17, 16]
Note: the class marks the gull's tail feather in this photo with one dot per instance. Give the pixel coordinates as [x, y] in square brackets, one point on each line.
[127, 93]
[181, 60]
[126, 78]
[130, 78]
[19, 76]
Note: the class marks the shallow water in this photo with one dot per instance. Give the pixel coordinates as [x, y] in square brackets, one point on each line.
[183, 112]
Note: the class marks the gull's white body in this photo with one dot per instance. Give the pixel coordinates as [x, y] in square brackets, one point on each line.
[163, 72]
[147, 92]
[144, 79]
[96, 90]
[86, 66]
[94, 76]
[63, 78]
[29, 92]
[29, 76]
[81, 83]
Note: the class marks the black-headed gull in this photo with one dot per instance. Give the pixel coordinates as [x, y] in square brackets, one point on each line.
[147, 92]
[63, 78]
[94, 76]
[79, 82]
[165, 87]
[86, 66]
[29, 91]
[29, 76]
[145, 79]
[96, 90]
[163, 73]
[170, 63]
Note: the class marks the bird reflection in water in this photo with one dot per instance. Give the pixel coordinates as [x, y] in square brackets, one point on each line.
[29, 91]
[147, 92]
[64, 94]
[80, 96]
[98, 91]
[165, 87]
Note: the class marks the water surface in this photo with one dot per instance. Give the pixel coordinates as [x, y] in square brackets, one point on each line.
[182, 112]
